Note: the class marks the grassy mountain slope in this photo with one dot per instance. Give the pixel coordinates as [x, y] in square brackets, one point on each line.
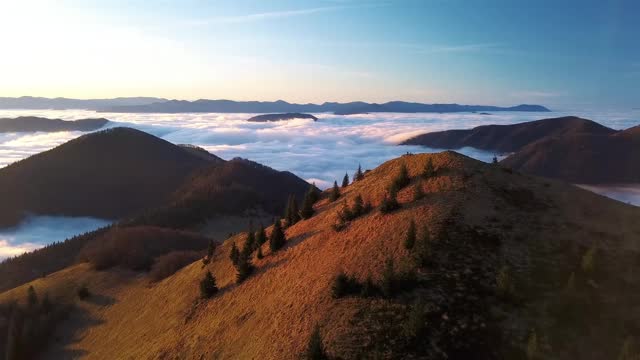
[481, 218]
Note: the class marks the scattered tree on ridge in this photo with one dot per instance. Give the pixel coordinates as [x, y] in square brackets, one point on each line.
[208, 286]
[359, 175]
[402, 179]
[292, 215]
[259, 254]
[418, 193]
[244, 268]
[410, 239]
[345, 180]
[32, 297]
[234, 254]
[307, 206]
[261, 236]
[429, 170]
[277, 238]
[335, 192]
[315, 348]
[390, 202]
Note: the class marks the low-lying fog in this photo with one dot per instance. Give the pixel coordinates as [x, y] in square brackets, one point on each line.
[37, 231]
[316, 151]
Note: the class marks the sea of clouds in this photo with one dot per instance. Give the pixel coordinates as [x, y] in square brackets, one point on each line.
[319, 152]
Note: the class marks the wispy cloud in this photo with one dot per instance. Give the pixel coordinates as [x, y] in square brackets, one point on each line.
[464, 48]
[280, 14]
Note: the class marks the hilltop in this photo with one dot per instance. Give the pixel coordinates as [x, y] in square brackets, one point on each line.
[508, 138]
[33, 124]
[42, 103]
[108, 174]
[281, 117]
[514, 265]
[606, 158]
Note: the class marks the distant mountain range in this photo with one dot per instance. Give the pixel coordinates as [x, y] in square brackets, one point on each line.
[229, 106]
[569, 148]
[41, 103]
[159, 105]
[33, 123]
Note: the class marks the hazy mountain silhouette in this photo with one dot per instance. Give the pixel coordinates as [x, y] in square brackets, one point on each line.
[508, 138]
[281, 117]
[229, 106]
[40, 103]
[33, 123]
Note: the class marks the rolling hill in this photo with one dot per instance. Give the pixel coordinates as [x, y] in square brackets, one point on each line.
[109, 174]
[583, 158]
[281, 117]
[33, 123]
[509, 138]
[514, 267]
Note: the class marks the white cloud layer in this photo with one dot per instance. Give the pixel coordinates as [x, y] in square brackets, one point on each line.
[37, 231]
[320, 151]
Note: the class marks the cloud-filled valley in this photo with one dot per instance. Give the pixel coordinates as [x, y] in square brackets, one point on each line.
[319, 152]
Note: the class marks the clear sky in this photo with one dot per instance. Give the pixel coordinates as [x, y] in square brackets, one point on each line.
[559, 53]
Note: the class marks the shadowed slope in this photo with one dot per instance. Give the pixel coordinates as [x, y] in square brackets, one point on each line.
[108, 174]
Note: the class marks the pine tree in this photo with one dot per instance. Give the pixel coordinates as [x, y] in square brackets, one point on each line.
[410, 240]
[313, 193]
[390, 202]
[32, 297]
[388, 279]
[422, 248]
[368, 288]
[292, 215]
[259, 254]
[418, 193]
[244, 268]
[235, 254]
[210, 250]
[345, 180]
[261, 236]
[315, 348]
[359, 175]
[335, 192]
[428, 170]
[208, 286]
[358, 206]
[277, 238]
[307, 206]
[402, 179]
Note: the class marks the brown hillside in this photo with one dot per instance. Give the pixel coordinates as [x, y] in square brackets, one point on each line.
[584, 159]
[480, 218]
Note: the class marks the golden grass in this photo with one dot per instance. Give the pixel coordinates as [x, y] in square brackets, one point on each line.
[272, 313]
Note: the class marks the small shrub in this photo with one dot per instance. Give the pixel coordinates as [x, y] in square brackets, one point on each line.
[428, 170]
[169, 264]
[335, 192]
[389, 203]
[418, 193]
[315, 348]
[505, 288]
[410, 238]
[208, 286]
[344, 285]
[83, 292]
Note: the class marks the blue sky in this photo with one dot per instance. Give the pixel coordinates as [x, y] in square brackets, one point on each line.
[565, 54]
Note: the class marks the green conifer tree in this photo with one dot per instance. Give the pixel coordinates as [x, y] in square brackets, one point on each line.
[335, 192]
[277, 238]
[32, 297]
[345, 180]
[428, 170]
[410, 239]
[244, 268]
[315, 348]
[208, 286]
[418, 193]
[261, 236]
[358, 206]
[307, 206]
[234, 255]
[359, 175]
